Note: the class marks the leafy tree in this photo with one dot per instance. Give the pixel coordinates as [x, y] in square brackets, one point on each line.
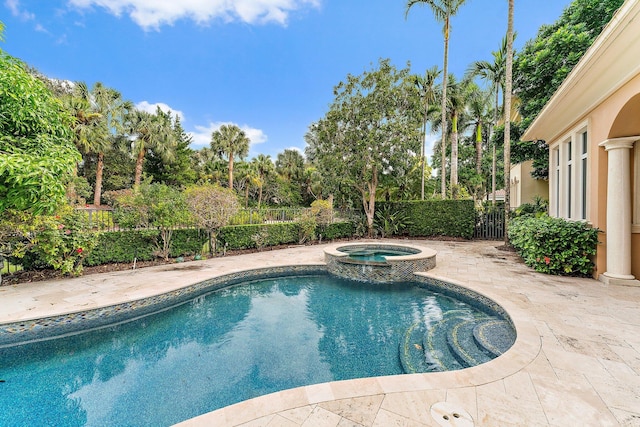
[545, 61]
[212, 207]
[442, 10]
[372, 128]
[37, 154]
[230, 141]
[152, 205]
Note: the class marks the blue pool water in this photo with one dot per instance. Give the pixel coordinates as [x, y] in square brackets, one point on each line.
[230, 345]
[374, 254]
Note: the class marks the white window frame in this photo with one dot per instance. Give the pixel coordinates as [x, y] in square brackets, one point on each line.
[568, 185]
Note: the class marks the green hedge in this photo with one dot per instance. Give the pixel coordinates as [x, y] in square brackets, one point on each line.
[336, 230]
[123, 246]
[554, 245]
[248, 236]
[188, 241]
[452, 218]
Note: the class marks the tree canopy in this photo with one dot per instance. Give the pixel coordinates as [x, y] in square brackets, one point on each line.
[372, 128]
[37, 154]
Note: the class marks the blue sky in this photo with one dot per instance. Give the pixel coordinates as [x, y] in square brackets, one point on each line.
[268, 66]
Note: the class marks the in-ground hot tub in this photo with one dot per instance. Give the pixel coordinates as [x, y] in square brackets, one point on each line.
[378, 262]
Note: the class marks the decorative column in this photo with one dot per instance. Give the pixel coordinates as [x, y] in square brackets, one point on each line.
[618, 211]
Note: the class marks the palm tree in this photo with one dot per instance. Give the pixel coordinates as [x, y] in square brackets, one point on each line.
[427, 87]
[108, 102]
[90, 131]
[150, 132]
[442, 10]
[230, 141]
[493, 72]
[507, 121]
[479, 110]
[456, 105]
[290, 165]
[264, 166]
[248, 177]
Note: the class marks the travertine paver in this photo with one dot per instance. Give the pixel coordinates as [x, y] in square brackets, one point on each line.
[576, 360]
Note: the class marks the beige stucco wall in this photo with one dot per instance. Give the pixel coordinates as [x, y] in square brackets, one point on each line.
[600, 126]
[524, 186]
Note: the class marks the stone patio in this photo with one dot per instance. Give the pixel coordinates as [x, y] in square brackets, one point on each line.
[576, 360]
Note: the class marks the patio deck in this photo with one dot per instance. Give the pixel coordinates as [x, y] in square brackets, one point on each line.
[576, 360]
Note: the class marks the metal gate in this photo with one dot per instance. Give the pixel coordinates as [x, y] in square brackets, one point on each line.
[490, 225]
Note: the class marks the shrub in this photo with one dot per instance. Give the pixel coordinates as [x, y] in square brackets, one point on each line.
[127, 245]
[323, 211]
[452, 218]
[124, 246]
[61, 241]
[212, 207]
[241, 236]
[336, 230]
[307, 224]
[389, 221]
[554, 245]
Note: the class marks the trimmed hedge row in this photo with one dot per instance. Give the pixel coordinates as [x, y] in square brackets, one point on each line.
[124, 246]
[452, 218]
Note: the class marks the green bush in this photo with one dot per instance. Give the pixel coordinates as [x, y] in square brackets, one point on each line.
[554, 245]
[452, 218]
[123, 246]
[187, 241]
[242, 236]
[336, 230]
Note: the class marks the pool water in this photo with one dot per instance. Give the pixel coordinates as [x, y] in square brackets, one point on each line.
[376, 255]
[230, 345]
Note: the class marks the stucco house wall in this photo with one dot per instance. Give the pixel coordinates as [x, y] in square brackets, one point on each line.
[592, 126]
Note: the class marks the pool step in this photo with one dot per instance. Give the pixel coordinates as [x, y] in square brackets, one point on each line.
[412, 355]
[455, 342]
[438, 353]
[464, 347]
[495, 336]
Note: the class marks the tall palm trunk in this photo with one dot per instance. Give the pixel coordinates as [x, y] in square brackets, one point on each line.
[493, 160]
[454, 153]
[443, 183]
[424, 143]
[138, 174]
[231, 171]
[98, 187]
[479, 148]
[507, 121]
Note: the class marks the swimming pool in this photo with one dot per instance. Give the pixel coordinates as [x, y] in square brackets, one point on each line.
[230, 345]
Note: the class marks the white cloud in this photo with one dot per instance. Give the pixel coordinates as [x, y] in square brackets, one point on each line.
[202, 134]
[152, 14]
[14, 7]
[151, 108]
